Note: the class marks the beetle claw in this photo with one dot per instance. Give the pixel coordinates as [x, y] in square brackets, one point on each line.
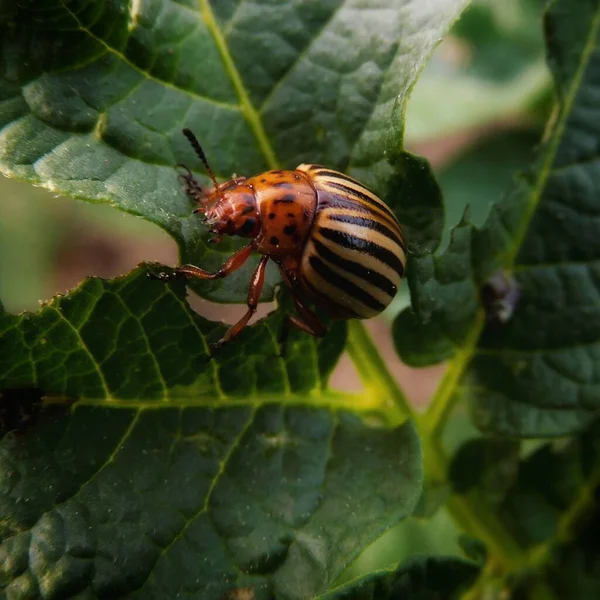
[217, 345]
[165, 276]
[188, 173]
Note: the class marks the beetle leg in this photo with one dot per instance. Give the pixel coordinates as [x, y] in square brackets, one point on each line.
[233, 263]
[311, 325]
[307, 320]
[254, 292]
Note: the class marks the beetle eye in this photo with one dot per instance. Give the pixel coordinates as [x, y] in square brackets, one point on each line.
[247, 227]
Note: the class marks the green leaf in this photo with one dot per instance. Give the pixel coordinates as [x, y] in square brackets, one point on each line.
[535, 374]
[136, 338]
[94, 97]
[173, 472]
[421, 578]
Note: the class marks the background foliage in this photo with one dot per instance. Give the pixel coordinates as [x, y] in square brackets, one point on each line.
[133, 464]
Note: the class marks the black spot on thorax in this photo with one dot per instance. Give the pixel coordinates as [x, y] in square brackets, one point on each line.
[290, 229]
[288, 198]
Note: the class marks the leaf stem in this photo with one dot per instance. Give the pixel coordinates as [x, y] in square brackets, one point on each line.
[373, 373]
[473, 518]
[434, 419]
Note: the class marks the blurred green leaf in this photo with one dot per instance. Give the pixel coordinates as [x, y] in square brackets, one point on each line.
[534, 375]
[550, 508]
[26, 247]
[553, 490]
[490, 67]
[172, 471]
[421, 578]
[572, 571]
[94, 97]
[435, 535]
[482, 173]
[488, 467]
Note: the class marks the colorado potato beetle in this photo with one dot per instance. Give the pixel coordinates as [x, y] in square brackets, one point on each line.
[335, 242]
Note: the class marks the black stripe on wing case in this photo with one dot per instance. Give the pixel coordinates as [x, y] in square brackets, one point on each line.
[343, 284]
[348, 190]
[326, 300]
[370, 223]
[356, 243]
[371, 277]
[327, 173]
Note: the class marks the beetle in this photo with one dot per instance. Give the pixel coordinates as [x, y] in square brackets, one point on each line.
[337, 245]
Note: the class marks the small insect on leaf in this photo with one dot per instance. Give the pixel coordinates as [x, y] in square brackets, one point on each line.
[500, 296]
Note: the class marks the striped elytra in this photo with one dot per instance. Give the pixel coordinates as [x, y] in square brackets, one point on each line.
[354, 259]
[335, 242]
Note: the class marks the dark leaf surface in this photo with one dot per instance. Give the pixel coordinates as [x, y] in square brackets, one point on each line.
[94, 97]
[537, 374]
[136, 338]
[197, 500]
[573, 569]
[172, 474]
[554, 488]
[486, 466]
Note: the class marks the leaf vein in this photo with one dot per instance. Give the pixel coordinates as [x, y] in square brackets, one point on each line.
[204, 508]
[252, 116]
[86, 349]
[146, 74]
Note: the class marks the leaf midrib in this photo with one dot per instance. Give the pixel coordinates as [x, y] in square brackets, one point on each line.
[555, 138]
[250, 113]
[146, 74]
[354, 402]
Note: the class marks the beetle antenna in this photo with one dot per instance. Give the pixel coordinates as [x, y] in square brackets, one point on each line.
[198, 149]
